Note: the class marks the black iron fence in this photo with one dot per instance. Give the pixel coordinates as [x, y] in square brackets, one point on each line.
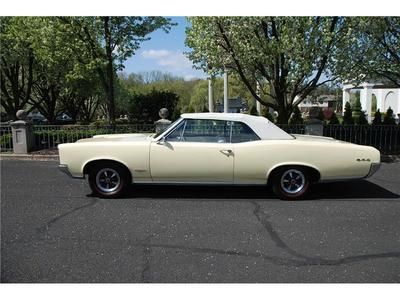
[386, 138]
[6, 144]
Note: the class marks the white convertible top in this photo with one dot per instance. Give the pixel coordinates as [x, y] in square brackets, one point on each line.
[265, 129]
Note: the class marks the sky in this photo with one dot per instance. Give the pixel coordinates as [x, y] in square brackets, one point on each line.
[164, 52]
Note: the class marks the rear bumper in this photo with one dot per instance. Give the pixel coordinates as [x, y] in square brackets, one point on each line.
[374, 168]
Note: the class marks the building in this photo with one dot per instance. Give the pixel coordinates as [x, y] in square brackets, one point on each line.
[235, 105]
[323, 101]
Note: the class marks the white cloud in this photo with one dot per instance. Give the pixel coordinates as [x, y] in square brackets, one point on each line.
[154, 54]
[174, 60]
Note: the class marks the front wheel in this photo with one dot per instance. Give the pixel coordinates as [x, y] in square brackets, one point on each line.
[291, 183]
[108, 180]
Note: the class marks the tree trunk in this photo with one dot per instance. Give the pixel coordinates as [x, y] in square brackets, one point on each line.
[110, 71]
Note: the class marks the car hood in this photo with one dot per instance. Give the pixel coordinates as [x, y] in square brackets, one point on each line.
[316, 138]
[126, 137]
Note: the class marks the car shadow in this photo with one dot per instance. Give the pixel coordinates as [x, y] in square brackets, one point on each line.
[360, 190]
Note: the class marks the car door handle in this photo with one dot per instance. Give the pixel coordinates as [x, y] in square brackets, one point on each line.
[227, 152]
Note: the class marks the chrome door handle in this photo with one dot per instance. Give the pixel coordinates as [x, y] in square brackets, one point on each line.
[226, 152]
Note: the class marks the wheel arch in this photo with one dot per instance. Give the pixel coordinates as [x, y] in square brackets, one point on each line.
[90, 164]
[312, 170]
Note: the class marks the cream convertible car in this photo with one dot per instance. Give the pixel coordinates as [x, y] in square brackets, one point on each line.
[216, 148]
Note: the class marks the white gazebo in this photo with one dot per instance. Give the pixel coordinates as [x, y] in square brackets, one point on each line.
[386, 96]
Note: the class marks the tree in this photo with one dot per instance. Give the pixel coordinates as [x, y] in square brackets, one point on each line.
[348, 115]
[58, 73]
[375, 52]
[144, 108]
[110, 41]
[16, 65]
[389, 117]
[290, 54]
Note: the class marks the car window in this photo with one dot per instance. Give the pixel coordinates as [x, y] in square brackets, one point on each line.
[206, 131]
[242, 133]
[176, 134]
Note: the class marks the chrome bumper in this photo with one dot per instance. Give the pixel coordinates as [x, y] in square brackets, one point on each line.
[374, 168]
[64, 169]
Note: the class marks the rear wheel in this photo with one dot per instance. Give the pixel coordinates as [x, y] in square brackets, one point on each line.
[108, 180]
[291, 183]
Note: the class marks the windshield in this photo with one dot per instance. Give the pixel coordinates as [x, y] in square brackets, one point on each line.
[169, 127]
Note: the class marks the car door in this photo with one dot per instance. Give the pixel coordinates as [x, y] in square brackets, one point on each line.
[197, 151]
[249, 156]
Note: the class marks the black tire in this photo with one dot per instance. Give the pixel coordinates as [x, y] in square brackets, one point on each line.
[108, 180]
[291, 183]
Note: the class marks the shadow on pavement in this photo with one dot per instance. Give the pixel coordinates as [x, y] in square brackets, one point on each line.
[357, 190]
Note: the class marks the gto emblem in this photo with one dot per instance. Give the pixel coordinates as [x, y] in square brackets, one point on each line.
[363, 159]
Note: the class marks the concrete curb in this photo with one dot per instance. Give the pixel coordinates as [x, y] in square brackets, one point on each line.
[38, 157]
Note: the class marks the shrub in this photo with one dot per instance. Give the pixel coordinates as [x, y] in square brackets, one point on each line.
[389, 117]
[362, 118]
[296, 118]
[377, 118]
[348, 117]
[334, 119]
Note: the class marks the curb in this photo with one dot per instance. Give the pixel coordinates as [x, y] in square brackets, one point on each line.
[37, 157]
[390, 158]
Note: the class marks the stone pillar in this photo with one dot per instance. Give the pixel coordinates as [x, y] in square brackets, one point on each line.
[22, 134]
[366, 99]
[163, 123]
[226, 104]
[210, 95]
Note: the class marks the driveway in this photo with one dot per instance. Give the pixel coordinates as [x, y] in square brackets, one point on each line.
[53, 230]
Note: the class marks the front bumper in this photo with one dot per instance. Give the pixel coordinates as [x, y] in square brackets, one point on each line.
[374, 168]
[64, 168]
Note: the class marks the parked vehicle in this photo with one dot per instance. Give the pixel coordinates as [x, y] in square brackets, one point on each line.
[216, 148]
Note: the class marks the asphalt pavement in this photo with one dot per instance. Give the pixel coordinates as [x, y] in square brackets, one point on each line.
[54, 230]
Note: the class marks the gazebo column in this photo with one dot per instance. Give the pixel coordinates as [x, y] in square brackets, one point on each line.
[346, 95]
[366, 99]
[210, 95]
[380, 101]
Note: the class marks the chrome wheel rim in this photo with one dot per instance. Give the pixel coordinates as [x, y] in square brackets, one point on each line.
[108, 180]
[292, 181]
